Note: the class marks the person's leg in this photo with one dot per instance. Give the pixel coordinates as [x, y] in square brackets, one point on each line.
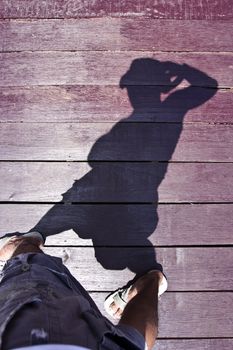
[141, 311]
[19, 245]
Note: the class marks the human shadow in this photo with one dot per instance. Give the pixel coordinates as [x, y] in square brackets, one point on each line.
[112, 203]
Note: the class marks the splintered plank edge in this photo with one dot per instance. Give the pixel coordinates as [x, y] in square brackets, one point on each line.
[174, 9]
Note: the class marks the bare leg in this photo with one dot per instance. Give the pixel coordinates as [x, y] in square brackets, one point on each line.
[141, 312]
[19, 245]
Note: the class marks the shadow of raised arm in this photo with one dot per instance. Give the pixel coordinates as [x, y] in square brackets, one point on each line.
[202, 88]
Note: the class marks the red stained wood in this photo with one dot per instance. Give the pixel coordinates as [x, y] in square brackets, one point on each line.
[115, 34]
[174, 9]
[121, 142]
[100, 104]
[117, 182]
[185, 315]
[199, 224]
[183, 266]
[104, 68]
[74, 78]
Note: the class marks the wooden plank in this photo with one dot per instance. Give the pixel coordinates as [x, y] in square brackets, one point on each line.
[187, 269]
[116, 182]
[170, 225]
[99, 68]
[115, 34]
[120, 142]
[194, 344]
[174, 9]
[185, 314]
[102, 104]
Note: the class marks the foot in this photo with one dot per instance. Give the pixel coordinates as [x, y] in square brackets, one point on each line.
[18, 244]
[116, 302]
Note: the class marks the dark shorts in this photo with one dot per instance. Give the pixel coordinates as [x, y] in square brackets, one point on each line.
[42, 303]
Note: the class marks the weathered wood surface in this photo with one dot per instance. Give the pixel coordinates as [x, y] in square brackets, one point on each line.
[56, 73]
[121, 142]
[187, 269]
[174, 9]
[101, 104]
[116, 182]
[191, 224]
[186, 314]
[194, 344]
[106, 68]
[115, 34]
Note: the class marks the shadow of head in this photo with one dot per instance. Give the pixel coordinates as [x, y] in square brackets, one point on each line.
[148, 78]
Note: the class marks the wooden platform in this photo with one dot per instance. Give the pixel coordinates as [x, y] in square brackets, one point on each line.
[116, 142]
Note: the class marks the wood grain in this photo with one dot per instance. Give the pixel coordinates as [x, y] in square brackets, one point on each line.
[121, 142]
[106, 68]
[187, 269]
[116, 182]
[174, 9]
[115, 34]
[185, 314]
[163, 191]
[101, 104]
[190, 224]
